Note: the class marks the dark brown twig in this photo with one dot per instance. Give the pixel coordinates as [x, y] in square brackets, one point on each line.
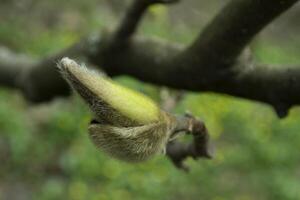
[132, 17]
[178, 152]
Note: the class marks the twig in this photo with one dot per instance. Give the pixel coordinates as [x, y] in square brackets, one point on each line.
[178, 152]
[133, 16]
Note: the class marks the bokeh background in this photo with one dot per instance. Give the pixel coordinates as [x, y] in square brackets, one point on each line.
[45, 152]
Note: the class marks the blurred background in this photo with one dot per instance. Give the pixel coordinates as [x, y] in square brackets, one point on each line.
[45, 152]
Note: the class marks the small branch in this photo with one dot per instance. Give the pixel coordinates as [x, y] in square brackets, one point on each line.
[178, 152]
[133, 16]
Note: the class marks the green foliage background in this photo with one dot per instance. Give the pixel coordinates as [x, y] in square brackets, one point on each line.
[45, 152]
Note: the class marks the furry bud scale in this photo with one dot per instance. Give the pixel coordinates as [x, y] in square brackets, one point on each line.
[128, 125]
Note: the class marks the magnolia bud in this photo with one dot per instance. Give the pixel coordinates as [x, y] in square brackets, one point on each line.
[128, 125]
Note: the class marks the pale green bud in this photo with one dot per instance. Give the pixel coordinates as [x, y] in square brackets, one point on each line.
[128, 125]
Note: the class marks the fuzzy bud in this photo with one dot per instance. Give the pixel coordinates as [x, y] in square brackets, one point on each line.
[128, 125]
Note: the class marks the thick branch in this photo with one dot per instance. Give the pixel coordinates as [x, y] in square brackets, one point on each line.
[232, 29]
[208, 64]
[11, 65]
[38, 81]
[197, 68]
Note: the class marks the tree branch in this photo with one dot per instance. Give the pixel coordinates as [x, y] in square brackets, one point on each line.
[39, 81]
[209, 64]
[232, 29]
[11, 65]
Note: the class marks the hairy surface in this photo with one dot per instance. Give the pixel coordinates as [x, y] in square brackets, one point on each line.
[130, 104]
[131, 144]
[128, 125]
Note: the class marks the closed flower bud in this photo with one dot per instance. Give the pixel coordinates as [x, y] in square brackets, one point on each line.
[128, 125]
